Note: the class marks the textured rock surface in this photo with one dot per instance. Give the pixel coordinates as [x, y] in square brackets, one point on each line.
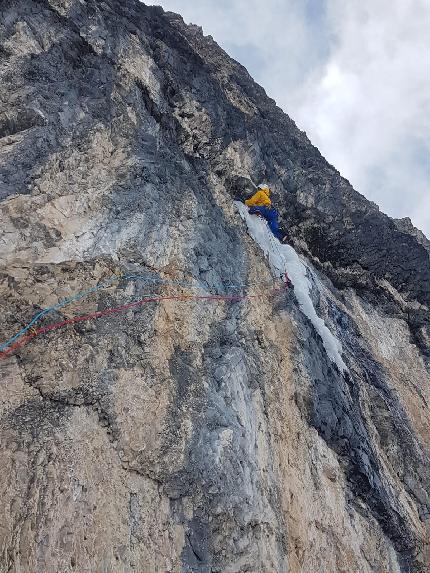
[191, 436]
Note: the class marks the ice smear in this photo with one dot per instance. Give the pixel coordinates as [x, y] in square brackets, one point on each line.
[284, 259]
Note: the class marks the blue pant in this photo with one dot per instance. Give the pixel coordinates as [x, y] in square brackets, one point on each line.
[271, 216]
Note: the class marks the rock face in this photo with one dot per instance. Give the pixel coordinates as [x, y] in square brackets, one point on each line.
[193, 434]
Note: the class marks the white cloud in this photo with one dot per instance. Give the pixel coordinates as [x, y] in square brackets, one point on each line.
[355, 75]
[368, 107]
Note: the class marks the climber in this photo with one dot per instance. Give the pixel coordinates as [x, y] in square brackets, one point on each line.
[261, 205]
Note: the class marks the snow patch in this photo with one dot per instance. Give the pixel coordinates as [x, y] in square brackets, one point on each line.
[284, 259]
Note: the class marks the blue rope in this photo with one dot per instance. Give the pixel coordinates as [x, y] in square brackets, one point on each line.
[80, 295]
[49, 309]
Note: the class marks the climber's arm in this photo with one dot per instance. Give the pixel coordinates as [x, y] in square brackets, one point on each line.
[259, 198]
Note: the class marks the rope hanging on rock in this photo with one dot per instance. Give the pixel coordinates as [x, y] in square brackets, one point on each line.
[31, 332]
[106, 284]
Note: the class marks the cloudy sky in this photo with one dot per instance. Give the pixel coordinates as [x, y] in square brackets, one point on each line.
[355, 75]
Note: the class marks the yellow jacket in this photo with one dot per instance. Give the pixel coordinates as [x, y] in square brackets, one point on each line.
[259, 199]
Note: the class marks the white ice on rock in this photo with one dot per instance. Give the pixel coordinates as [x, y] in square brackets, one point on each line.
[284, 259]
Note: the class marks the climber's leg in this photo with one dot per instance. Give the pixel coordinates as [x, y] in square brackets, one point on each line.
[271, 216]
[284, 236]
[261, 211]
[272, 219]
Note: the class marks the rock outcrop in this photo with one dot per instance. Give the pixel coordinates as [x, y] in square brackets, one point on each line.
[193, 434]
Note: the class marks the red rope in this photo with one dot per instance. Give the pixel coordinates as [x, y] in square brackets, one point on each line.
[21, 342]
[84, 317]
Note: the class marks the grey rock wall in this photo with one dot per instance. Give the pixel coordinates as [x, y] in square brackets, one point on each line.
[194, 435]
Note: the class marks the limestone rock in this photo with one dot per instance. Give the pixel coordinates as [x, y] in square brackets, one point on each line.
[193, 434]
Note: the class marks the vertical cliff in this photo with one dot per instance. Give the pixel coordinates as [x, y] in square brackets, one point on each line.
[173, 406]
